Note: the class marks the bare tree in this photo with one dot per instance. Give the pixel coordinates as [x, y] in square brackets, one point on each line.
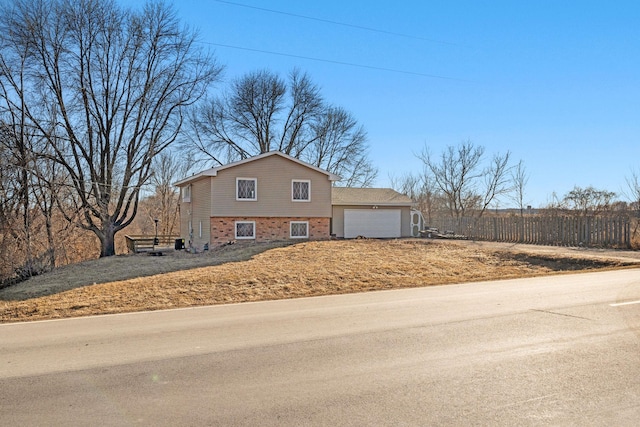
[421, 189]
[339, 146]
[162, 204]
[633, 185]
[7, 180]
[9, 206]
[520, 179]
[407, 184]
[497, 182]
[117, 83]
[455, 174]
[633, 193]
[468, 187]
[18, 162]
[262, 112]
[49, 185]
[589, 200]
[254, 102]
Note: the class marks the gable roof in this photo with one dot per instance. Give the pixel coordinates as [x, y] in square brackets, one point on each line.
[214, 171]
[368, 196]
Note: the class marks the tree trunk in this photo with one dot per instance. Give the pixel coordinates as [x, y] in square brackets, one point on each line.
[51, 252]
[107, 241]
[26, 221]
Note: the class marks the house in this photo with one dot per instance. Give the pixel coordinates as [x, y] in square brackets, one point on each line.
[274, 196]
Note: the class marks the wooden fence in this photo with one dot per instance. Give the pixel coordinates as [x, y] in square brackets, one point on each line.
[610, 232]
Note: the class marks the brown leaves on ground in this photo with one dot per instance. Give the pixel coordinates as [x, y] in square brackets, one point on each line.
[290, 271]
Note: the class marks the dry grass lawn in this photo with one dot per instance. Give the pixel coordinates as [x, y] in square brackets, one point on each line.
[255, 272]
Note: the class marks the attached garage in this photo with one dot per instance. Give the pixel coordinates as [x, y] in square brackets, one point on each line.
[370, 212]
[379, 223]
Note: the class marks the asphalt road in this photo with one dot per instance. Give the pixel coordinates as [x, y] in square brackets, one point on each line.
[562, 350]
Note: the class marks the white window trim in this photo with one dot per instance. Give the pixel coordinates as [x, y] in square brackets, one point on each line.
[291, 227]
[308, 181]
[255, 196]
[186, 193]
[235, 230]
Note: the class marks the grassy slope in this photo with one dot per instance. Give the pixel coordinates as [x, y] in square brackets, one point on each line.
[255, 272]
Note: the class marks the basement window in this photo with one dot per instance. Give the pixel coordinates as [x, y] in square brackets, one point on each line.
[299, 230]
[245, 230]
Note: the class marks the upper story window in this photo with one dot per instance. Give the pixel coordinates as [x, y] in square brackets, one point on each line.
[301, 190]
[246, 189]
[186, 193]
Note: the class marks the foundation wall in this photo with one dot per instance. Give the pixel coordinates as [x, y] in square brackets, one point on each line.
[267, 228]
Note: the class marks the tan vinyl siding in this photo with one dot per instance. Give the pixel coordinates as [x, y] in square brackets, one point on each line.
[197, 213]
[337, 221]
[185, 210]
[274, 177]
[405, 221]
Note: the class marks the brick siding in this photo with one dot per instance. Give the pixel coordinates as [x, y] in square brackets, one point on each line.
[267, 228]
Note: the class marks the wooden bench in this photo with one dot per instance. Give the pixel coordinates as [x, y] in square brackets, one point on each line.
[140, 243]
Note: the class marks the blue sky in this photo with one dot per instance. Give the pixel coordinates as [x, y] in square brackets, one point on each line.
[557, 83]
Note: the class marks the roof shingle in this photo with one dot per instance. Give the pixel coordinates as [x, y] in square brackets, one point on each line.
[368, 196]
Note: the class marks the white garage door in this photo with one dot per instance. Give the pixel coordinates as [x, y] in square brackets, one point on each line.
[381, 223]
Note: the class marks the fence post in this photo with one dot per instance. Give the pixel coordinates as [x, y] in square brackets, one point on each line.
[627, 234]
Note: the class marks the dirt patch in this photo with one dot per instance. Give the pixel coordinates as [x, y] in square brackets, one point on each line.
[254, 272]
